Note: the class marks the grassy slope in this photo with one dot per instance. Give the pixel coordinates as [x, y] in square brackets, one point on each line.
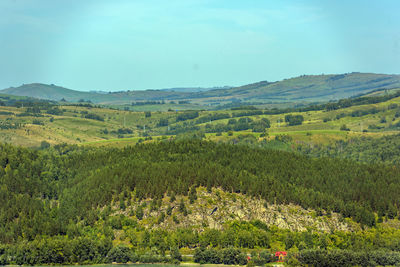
[307, 88]
[303, 89]
[44, 91]
[72, 128]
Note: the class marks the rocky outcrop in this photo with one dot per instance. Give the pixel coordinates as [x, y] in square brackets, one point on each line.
[213, 209]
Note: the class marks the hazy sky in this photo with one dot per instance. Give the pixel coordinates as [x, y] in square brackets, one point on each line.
[130, 44]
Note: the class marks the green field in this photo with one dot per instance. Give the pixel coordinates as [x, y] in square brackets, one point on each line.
[126, 127]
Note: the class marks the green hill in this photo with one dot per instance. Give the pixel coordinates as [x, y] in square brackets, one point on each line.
[300, 90]
[310, 88]
[152, 202]
[49, 92]
[30, 122]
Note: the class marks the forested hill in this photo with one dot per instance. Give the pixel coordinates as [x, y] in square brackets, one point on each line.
[43, 192]
[70, 204]
[303, 89]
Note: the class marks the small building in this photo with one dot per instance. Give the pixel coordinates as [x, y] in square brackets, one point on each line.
[281, 255]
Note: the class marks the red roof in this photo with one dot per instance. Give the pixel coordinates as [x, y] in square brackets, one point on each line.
[284, 253]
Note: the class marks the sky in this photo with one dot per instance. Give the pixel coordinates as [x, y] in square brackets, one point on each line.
[114, 45]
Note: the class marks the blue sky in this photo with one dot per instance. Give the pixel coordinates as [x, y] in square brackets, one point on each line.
[132, 45]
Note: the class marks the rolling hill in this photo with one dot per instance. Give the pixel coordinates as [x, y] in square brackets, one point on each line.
[45, 91]
[304, 89]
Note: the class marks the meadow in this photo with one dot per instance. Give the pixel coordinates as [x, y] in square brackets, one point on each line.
[76, 124]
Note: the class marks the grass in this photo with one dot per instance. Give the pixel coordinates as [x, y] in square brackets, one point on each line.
[72, 128]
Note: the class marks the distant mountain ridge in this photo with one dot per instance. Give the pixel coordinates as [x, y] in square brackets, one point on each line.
[305, 88]
[194, 89]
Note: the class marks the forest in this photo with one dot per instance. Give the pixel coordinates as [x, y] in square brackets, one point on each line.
[362, 149]
[53, 200]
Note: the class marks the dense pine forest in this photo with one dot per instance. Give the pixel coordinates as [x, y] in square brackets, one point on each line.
[59, 203]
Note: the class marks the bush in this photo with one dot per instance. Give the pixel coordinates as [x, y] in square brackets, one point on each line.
[124, 131]
[121, 254]
[202, 256]
[55, 111]
[37, 122]
[93, 117]
[162, 122]
[344, 128]
[139, 213]
[293, 120]
[188, 115]
[176, 256]
[263, 257]
[232, 256]
[3, 260]
[44, 145]
[284, 138]
[232, 121]
[150, 257]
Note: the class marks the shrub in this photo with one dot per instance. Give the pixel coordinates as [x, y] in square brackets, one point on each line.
[293, 120]
[37, 122]
[121, 254]
[344, 128]
[93, 117]
[176, 255]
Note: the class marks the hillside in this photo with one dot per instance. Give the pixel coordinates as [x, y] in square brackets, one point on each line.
[300, 90]
[144, 185]
[314, 88]
[49, 92]
[192, 197]
[30, 122]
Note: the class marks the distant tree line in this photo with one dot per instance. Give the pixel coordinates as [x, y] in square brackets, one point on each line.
[142, 103]
[343, 103]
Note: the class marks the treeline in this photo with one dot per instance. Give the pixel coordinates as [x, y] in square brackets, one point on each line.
[187, 115]
[315, 257]
[90, 245]
[357, 113]
[6, 125]
[212, 117]
[26, 102]
[83, 250]
[365, 149]
[232, 124]
[241, 124]
[339, 258]
[142, 103]
[343, 103]
[92, 116]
